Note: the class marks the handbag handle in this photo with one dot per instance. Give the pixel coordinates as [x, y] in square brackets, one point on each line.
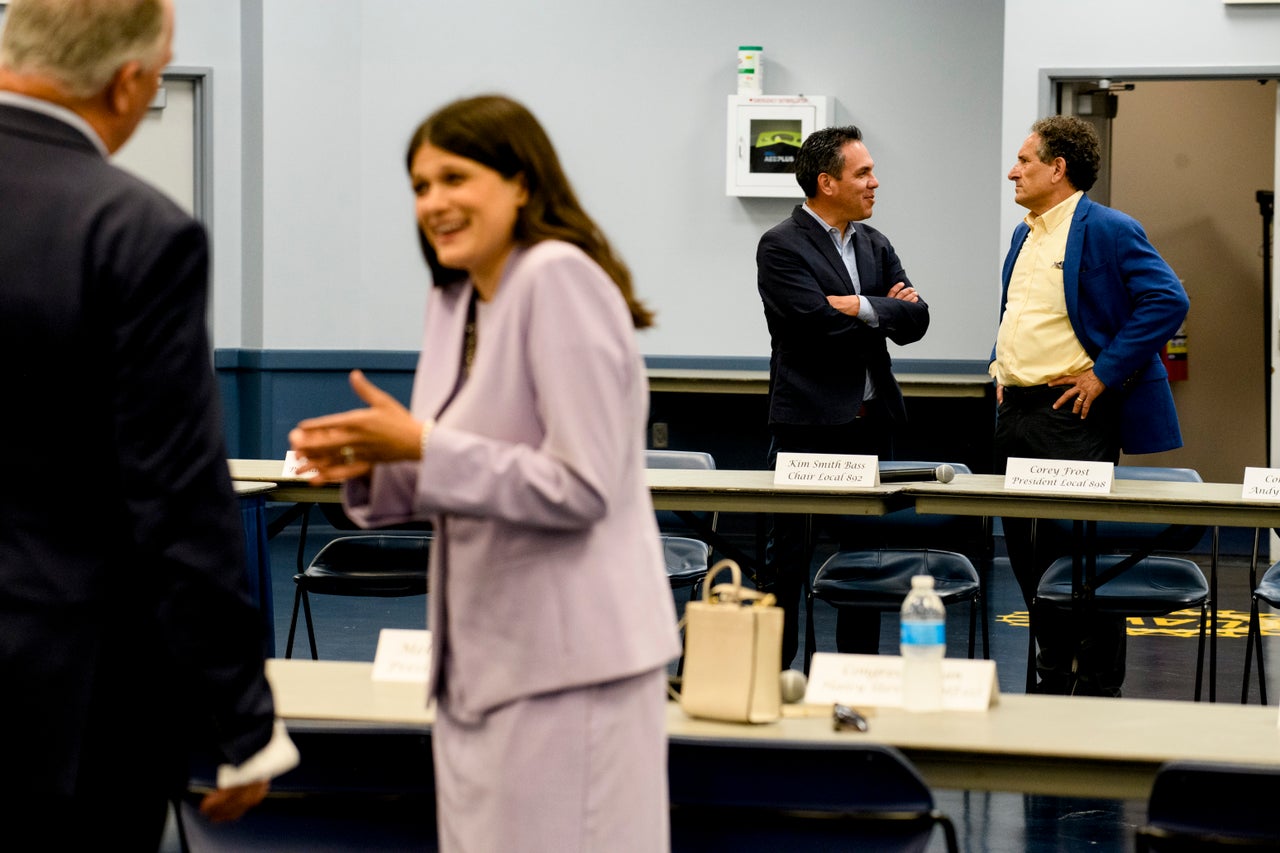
[733, 592]
[736, 574]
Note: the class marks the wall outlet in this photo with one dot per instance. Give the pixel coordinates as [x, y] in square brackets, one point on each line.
[659, 435]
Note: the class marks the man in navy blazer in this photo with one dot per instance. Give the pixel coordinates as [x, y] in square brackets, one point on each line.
[127, 636]
[1088, 303]
[833, 293]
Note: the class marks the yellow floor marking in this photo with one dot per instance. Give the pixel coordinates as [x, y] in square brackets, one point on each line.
[1183, 623]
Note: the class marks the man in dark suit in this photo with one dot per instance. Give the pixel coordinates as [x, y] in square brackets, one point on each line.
[1087, 305]
[127, 636]
[833, 293]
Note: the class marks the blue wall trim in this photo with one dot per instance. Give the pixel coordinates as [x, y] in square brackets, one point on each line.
[344, 360]
[706, 362]
[314, 360]
[266, 392]
[904, 365]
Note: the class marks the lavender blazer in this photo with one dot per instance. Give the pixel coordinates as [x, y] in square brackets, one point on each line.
[547, 572]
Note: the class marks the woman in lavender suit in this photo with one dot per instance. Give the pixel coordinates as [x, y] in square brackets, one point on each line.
[551, 617]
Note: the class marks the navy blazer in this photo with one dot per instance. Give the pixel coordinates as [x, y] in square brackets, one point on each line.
[819, 357]
[122, 584]
[1124, 303]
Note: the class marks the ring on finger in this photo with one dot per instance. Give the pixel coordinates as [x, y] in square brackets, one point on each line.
[348, 453]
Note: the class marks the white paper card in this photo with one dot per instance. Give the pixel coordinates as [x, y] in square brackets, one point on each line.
[1063, 476]
[826, 471]
[876, 681]
[402, 655]
[1261, 484]
[291, 463]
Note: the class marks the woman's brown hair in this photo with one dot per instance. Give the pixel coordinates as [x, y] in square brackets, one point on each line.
[503, 135]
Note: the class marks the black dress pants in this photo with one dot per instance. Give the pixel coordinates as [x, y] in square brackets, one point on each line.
[789, 553]
[1081, 658]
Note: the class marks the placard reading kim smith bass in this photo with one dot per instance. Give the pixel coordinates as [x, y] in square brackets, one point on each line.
[826, 471]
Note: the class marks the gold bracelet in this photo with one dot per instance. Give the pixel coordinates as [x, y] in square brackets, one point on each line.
[427, 425]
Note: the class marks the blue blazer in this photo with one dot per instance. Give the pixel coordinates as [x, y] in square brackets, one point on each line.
[1124, 302]
[819, 357]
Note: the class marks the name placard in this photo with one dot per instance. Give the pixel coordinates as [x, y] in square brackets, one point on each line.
[827, 471]
[1062, 476]
[876, 681]
[402, 655]
[291, 463]
[1261, 484]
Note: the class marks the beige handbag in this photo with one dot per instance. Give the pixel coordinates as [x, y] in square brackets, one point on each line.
[732, 652]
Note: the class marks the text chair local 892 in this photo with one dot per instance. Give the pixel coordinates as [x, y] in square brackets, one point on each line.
[379, 565]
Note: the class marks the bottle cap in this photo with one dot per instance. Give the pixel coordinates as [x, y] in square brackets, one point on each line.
[922, 581]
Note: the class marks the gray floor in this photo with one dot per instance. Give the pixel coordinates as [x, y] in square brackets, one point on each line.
[1159, 666]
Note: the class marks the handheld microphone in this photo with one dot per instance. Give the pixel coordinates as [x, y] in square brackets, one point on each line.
[792, 683]
[942, 474]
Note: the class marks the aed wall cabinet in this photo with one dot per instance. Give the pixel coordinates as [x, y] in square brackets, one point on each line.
[765, 132]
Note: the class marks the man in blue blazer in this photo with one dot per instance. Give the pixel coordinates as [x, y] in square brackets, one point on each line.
[127, 637]
[1088, 303]
[833, 293]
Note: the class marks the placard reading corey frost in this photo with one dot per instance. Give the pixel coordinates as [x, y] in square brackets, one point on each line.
[1058, 475]
[826, 471]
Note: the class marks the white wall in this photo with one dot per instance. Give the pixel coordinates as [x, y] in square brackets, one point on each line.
[1192, 38]
[1195, 37]
[1213, 246]
[634, 97]
[207, 35]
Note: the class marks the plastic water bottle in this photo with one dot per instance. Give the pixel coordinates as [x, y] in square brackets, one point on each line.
[924, 644]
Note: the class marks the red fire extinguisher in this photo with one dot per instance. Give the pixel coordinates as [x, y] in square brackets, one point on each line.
[1174, 354]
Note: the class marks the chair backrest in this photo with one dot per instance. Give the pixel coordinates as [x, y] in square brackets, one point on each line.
[751, 795]
[669, 522]
[695, 459]
[905, 528]
[373, 554]
[1123, 535]
[1192, 800]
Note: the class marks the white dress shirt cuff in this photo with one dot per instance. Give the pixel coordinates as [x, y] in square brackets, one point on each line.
[277, 757]
[867, 313]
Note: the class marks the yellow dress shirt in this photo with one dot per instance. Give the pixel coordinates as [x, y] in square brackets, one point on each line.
[1036, 342]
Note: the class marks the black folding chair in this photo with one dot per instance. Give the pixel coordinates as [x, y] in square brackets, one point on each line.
[1211, 806]
[746, 796]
